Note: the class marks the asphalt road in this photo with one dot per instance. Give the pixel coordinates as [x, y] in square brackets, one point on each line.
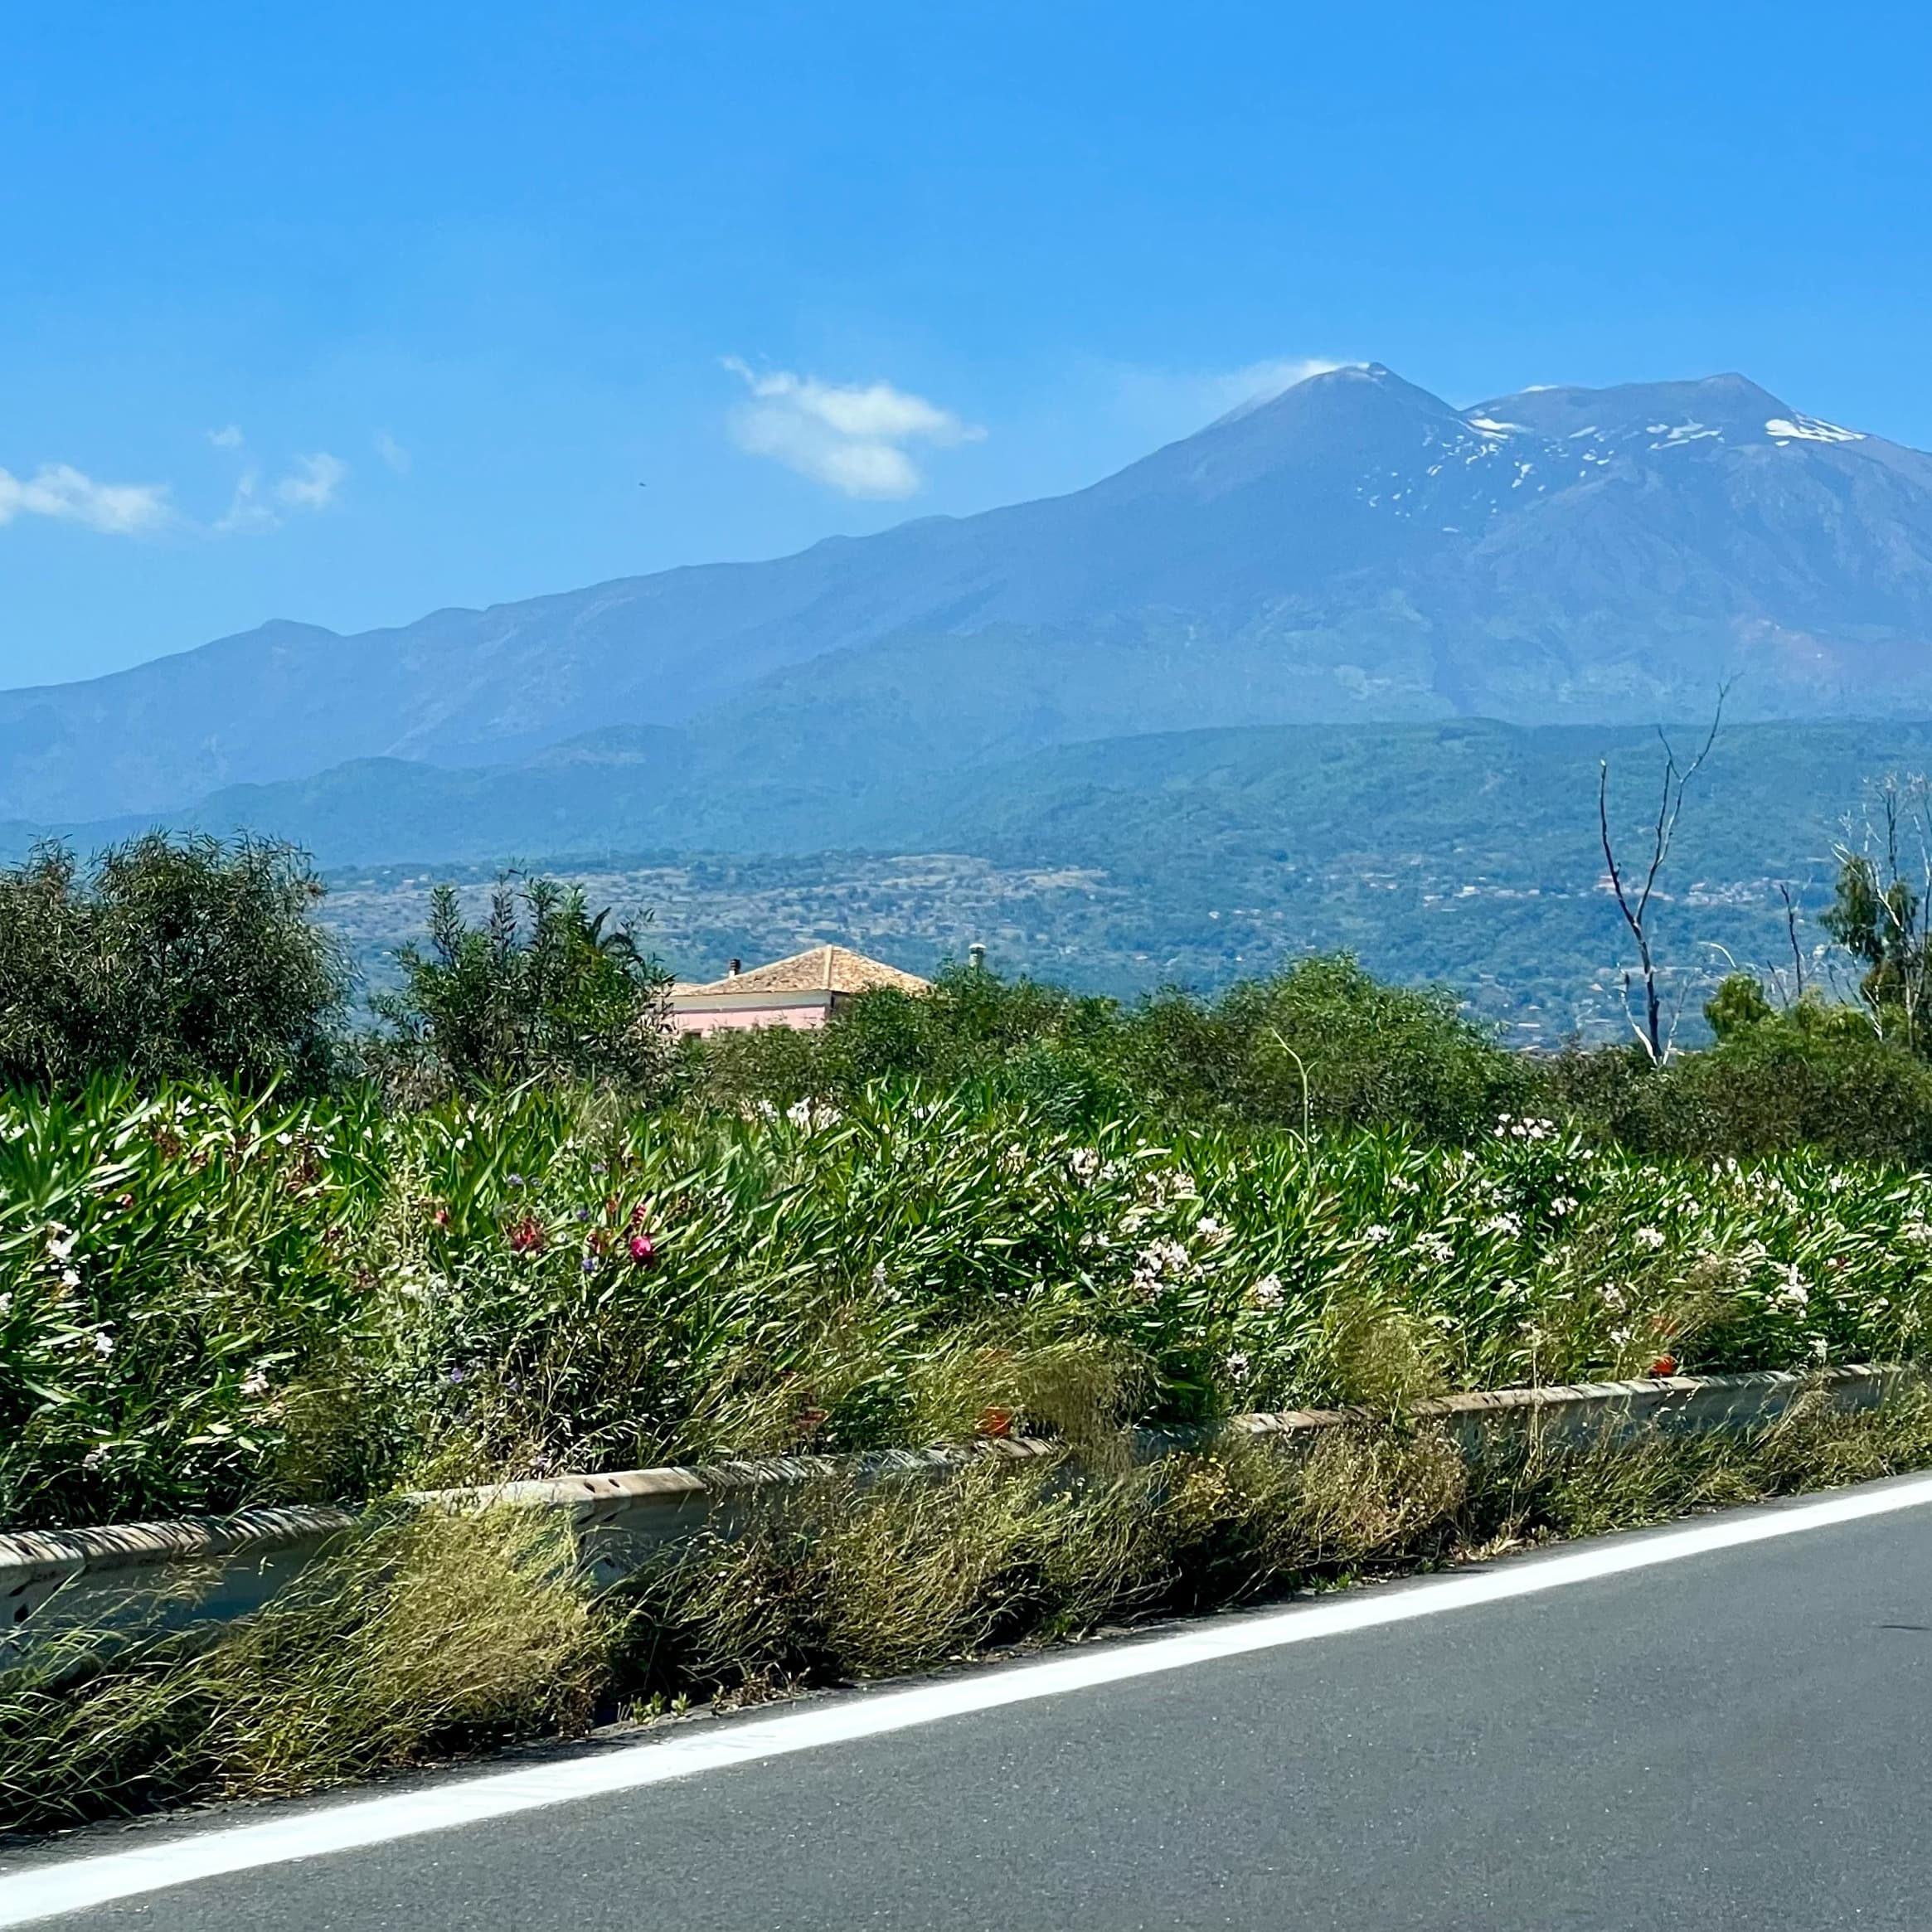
[1741, 1739]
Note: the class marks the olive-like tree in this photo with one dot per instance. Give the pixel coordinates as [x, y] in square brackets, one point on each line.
[169, 956]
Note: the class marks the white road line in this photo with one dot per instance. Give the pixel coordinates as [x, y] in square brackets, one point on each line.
[73, 1885]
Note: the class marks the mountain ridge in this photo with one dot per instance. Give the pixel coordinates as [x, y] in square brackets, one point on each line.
[1354, 548]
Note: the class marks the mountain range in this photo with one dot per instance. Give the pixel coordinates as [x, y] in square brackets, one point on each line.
[1353, 551]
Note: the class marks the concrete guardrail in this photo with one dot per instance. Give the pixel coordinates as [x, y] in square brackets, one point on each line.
[142, 1580]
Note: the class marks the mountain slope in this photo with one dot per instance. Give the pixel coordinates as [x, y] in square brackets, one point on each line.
[1460, 849]
[1354, 548]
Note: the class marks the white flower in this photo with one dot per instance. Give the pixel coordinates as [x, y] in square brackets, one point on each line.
[69, 1278]
[1209, 1229]
[1376, 1233]
[1159, 1262]
[1084, 1163]
[1170, 1185]
[1650, 1238]
[1266, 1293]
[1613, 1295]
[104, 1342]
[1237, 1366]
[1437, 1248]
[59, 1241]
[254, 1383]
[1563, 1204]
[1501, 1223]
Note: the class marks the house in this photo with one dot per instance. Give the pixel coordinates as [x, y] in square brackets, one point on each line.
[804, 991]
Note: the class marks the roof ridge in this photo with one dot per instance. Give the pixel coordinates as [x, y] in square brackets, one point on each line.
[828, 968]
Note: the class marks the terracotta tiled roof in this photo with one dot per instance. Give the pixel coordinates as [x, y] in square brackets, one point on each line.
[822, 969]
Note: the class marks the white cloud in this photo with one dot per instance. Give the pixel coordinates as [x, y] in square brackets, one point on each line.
[392, 453]
[59, 490]
[1165, 403]
[313, 483]
[849, 436]
[1241, 390]
[246, 511]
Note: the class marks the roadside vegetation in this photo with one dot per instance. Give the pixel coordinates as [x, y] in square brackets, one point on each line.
[256, 1249]
[419, 1639]
[250, 1254]
[212, 1301]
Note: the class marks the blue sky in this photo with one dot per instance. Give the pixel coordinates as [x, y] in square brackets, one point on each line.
[344, 313]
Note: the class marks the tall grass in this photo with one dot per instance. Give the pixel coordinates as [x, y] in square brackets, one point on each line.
[423, 1638]
[410, 1640]
[206, 1301]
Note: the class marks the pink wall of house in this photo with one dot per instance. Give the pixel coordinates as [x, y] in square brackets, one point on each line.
[800, 1018]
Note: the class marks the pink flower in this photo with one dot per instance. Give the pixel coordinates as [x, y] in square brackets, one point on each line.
[643, 1250]
[526, 1237]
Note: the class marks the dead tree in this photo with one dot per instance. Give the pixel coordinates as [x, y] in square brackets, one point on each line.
[1796, 951]
[1633, 900]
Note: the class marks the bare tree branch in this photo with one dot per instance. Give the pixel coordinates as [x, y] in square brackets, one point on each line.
[1636, 910]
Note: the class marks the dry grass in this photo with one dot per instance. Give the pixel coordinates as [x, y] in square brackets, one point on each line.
[433, 1635]
[418, 1638]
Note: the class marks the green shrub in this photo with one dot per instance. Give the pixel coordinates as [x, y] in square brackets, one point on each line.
[167, 957]
[1325, 1043]
[1814, 1076]
[1372, 1054]
[542, 990]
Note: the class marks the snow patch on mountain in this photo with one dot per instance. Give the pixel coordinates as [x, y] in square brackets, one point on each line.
[1810, 429]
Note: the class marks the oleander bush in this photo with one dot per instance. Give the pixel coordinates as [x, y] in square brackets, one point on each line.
[209, 1300]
